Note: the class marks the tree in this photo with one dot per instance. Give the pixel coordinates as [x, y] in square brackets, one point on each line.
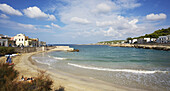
[129, 38]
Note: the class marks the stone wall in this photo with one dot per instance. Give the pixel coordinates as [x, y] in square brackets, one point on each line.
[165, 47]
[29, 49]
[25, 49]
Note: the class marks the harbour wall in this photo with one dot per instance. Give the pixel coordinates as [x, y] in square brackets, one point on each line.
[165, 47]
[35, 49]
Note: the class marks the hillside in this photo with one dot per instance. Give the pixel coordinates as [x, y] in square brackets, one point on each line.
[113, 41]
[156, 34]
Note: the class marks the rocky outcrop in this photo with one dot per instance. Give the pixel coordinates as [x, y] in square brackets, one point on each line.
[75, 50]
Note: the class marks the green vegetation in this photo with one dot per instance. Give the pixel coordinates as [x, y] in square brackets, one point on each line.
[7, 82]
[6, 50]
[129, 38]
[7, 75]
[113, 41]
[156, 34]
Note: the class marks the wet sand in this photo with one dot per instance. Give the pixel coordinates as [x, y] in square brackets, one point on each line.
[27, 67]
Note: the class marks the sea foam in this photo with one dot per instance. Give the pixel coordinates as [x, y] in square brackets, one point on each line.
[42, 62]
[58, 58]
[116, 70]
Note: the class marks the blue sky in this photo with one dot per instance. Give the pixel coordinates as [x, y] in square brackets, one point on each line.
[83, 21]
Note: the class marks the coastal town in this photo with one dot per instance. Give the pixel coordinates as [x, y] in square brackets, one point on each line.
[160, 40]
[149, 41]
[20, 40]
[84, 45]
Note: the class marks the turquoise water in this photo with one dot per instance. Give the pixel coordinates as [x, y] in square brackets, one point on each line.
[131, 67]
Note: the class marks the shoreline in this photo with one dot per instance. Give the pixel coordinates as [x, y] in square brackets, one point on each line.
[144, 46]
[70, 82]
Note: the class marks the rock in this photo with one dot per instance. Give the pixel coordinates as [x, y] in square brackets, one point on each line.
[75, 50]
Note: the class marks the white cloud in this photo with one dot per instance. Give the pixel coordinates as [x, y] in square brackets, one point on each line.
[23, 27]
[79, 20]
[127, 4]
[35, 12]
[4, 16]
[104, 23]
[155, 17]
[133, 23]
[99, 19]
[112, 32]
[55, 25]
[47, 26]
[103, 8]
[51, 17]
[29, 26]
[9, 10]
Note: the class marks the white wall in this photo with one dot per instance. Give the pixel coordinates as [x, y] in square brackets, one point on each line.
[20, 40]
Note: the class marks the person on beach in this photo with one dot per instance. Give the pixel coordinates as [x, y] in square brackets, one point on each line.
[22, 78]
[7, 60]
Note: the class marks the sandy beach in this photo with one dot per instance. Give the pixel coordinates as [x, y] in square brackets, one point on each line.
[27, 67]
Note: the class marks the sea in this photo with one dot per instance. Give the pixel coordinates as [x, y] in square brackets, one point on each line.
[145, 69]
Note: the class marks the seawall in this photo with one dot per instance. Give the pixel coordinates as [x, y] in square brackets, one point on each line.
[36, 49]
[144, 46]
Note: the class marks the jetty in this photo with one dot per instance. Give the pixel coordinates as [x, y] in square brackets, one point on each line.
[62, 48]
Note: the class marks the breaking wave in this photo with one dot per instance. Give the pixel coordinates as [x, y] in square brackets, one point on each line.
[42, 62]
[117, 70]
[58, 58]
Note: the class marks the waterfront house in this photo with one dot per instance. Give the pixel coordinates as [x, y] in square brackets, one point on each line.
[3, 41]
[153, 40]
[129, 41]
[34, 42]
[25, 41]
[6, 41]
[140, 41]
[134, 41]
[162, 39]
[21, 40]
[41, 43]
[168, 38]
[146, 40]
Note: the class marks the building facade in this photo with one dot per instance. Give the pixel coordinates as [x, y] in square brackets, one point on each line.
[168, 38]
[4, 42]
[162, 39]
[34, 42]
[21, 40]
[132, 41]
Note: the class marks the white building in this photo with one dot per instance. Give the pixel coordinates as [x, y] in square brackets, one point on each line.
[140, 41]
[21, 40]
[162, 39]
[147, 40]
[34, 42]
[153, 39]
[4, 42]
[133, 41]
[41, 43]
[168, 38]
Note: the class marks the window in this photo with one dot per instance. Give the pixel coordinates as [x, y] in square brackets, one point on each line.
[22, 39]
[19, 39]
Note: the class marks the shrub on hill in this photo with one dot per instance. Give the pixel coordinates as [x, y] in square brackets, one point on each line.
[6, 50]
[7, 75]
[7, 83]
[156, 34]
